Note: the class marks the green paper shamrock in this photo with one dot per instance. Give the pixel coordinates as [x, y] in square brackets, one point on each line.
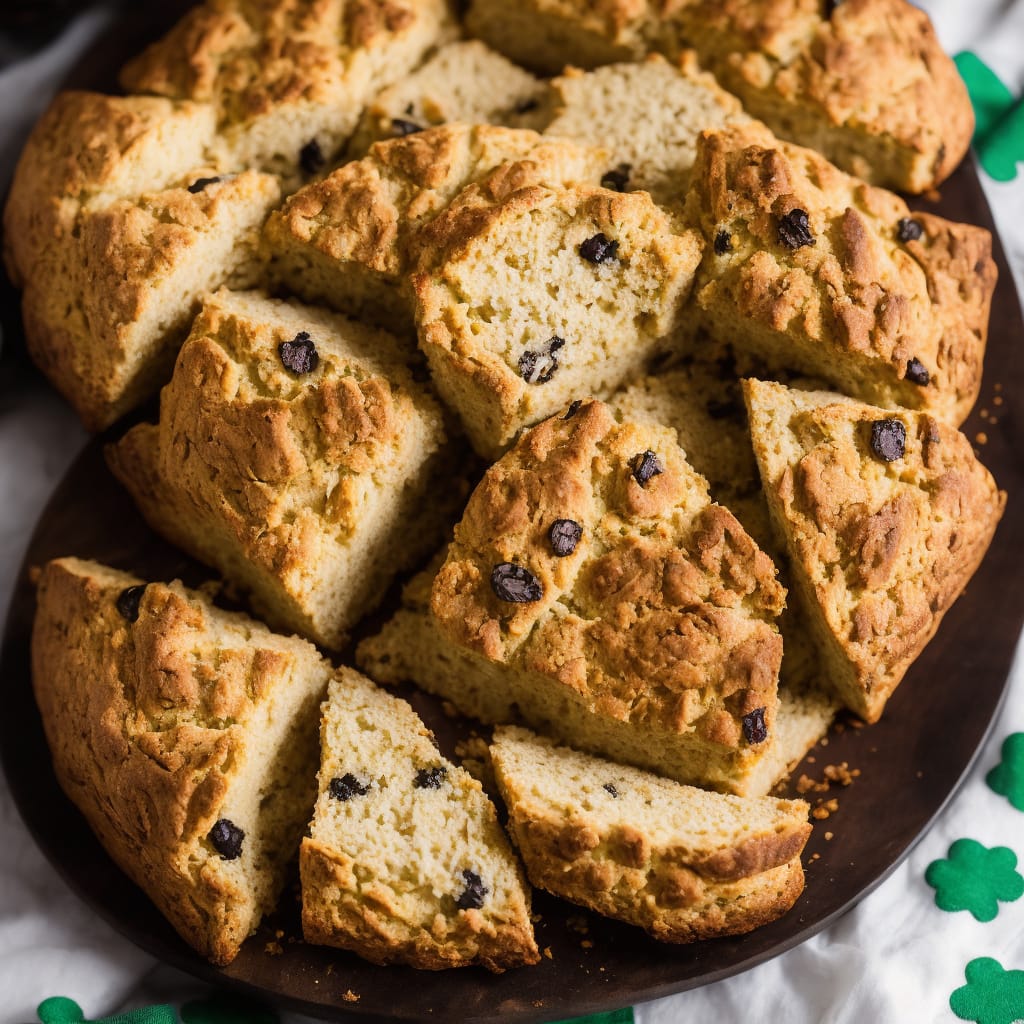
[998, 118]
[975, 878]
[225, 1009]
[1007, 778]
[991, 995]
[60, 1010]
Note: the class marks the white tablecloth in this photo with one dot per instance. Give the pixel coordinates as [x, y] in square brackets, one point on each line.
[897, 957]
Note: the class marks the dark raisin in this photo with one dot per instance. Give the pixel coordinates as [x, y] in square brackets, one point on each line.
[513, 583]
[538, 367]
[525, 106]
[431, 778]
[917, 372]
[644, 466]
[311, 157]
[226, 838]
[908, 229]
[609, 787]
[718, 410]
[754, 729]
[128, 602]
[617, 179]
[888, 439]
[401, 127]
[574, 407]
[565, 535]
[599, 249]
[723, 243]
[299, 355]
[794, 230]
[347, 786]
[200, 183]
[472, 897]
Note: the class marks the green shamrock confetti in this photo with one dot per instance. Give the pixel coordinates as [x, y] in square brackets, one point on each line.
[991, 995]
[225, 1009]
[60, 1010]
[975, 878]
[998, 118]
[1007, 778]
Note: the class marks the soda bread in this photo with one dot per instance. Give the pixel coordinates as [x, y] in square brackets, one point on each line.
[864, 81]
[348, 240]
[405, 861]
[885, 515]
[463, 81]
[293, 449]
[185, 735]
[811, 270]
[681, 863]
[527, 300]
[620, 608]
[288, 81]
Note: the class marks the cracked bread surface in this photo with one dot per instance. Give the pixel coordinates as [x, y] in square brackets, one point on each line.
[654, 637]
[282, 75]
[348, 240]
[518, 314]
[679, 862]
[164, 726]
[879, 547]
[297, 486]
[406, 861]
[804, 268]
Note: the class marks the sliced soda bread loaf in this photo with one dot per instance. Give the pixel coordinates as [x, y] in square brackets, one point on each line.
[346, 240]
[107, 307]
[186, 735]
[886, 516]
[813, 271]
[526, 300]
[463, 81]
[652, 144]
[679, 862]
[288, 81]
[405, 861]
[620, 608]
[293, 449]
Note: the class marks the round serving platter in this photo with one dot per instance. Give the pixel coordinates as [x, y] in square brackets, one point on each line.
[910, 763]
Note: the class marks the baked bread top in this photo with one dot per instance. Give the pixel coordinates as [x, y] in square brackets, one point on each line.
[185, 734]
[813, 270]
[406, 861]
[885, 514]
[591, 555]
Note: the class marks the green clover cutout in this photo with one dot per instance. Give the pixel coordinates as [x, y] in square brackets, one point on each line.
[1007, 778]
[225, 1009]
[975, 878]
[998, 118]
[60, 1010]
[991, 995]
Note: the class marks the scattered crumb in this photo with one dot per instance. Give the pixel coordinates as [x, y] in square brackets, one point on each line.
[349, 996]
[981, 437]
[547, 953]
[983, 414]
[815, 856]
[998, 386]
[825, 809]
[805, 784]
[812, 760]
[857, 723]
[824, 741]
[828, 837]
[449, 709]
[577, 923]
[538, 1002]
[273, 948]
[998, 400]
[920, 775]
[587, 944]
[841, 773]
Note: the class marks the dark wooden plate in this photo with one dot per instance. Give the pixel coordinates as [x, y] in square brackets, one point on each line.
[911, 764]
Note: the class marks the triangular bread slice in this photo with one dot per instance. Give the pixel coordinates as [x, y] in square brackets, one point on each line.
[885, 514]
[186, 735]
[680, 862]
[405, 861]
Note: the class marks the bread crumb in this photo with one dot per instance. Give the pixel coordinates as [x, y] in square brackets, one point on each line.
[998, 386]
[577, 923]
[547, 953]
[824, 809]
[587, 944]
[841, 773]
[349, 996]
[920, 774]
[273, 948]
[828, 837]
[815, 856]
[983, 414]
[812, 760]
[981, 437]
[450, 710]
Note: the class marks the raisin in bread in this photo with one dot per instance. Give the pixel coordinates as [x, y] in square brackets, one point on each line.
[293, 449]
[810, 270]
[526, 300]
[619, 607]
[186, 735]
[347, 240]
[681, 863]
[886, 516]
[405, 861]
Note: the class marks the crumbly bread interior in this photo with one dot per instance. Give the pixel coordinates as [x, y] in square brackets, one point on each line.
[396, 829]
[161, 727]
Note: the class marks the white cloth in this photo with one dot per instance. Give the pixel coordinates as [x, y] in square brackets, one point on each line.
[895, 958]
